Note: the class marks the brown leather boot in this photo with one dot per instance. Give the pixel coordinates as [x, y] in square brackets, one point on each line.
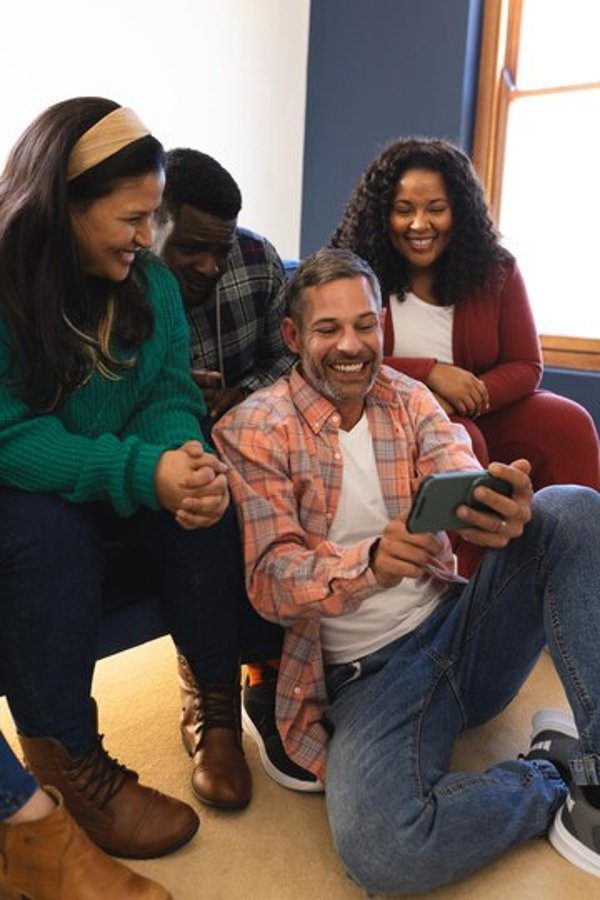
[105, 799]
[212, 734]
[53, 859]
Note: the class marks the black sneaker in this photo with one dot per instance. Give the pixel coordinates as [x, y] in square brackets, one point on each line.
[554, 737]
[258, 720]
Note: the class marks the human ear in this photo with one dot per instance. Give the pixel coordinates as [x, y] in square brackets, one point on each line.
[290, 334]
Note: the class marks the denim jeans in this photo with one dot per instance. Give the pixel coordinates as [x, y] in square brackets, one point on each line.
[401, 822]
[52, 568]
[17, 786]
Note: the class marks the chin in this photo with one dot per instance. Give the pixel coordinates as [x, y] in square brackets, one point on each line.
[118, 276]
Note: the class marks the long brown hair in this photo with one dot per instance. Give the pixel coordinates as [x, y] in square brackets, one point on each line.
[61, 319]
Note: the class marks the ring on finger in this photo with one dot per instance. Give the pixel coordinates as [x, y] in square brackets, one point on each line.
[501, 526]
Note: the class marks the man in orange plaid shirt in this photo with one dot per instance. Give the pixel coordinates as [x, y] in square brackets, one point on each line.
[388, 654]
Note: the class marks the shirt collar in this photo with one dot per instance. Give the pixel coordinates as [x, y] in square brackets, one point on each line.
[317, 409]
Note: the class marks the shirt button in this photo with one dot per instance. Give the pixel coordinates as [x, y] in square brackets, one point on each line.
[337, 455]
[297, 690]
[335, 419]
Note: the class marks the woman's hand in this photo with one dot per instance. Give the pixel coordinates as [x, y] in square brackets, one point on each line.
[466, 393]
[192, 484]
[447, 407]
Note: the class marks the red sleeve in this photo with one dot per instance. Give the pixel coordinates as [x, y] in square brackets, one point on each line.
[518, 368]
[414, 366]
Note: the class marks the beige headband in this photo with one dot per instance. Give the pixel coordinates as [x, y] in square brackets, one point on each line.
[109, 135]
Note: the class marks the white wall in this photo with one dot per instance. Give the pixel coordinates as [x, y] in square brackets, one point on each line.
[224, 76]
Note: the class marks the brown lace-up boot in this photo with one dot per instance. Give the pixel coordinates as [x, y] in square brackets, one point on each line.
[53, 859]
[105, 799]
[212, 734]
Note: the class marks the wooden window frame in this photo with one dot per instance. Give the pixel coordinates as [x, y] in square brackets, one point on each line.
[497, 86]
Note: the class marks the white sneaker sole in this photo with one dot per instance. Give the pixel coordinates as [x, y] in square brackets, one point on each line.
[553, 720]
[286, 781]
[571, 849]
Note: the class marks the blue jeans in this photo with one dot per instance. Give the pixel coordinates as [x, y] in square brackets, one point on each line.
[52, 567]
[401, 822]
[17, 786]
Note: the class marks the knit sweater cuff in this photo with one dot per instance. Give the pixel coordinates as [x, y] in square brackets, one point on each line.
[142, 475]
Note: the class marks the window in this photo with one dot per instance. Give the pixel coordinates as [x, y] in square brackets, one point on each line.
[536, 150]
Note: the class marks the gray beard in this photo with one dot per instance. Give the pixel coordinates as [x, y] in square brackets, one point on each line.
[331, 391]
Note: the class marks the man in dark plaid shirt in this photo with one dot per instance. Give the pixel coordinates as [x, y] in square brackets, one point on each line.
[230, 279]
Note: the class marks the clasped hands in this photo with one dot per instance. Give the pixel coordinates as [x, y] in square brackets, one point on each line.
[458, 391]
[398, 554]
[192, 484]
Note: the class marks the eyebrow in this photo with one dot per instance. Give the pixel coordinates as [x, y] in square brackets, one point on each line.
[136, 211]
[433, 200]
[332, 321]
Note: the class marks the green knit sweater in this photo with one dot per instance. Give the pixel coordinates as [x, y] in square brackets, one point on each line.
[105, 440]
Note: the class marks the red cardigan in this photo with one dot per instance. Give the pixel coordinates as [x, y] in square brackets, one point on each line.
[493, 336]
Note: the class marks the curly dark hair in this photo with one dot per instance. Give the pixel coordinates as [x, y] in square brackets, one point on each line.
[474, 245]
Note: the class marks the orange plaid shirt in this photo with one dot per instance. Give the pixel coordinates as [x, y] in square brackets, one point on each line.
[285, 475]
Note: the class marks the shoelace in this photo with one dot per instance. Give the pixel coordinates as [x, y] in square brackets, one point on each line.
[105, 775]
[220, 710]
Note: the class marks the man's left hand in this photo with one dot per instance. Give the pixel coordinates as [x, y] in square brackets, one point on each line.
[511, 514]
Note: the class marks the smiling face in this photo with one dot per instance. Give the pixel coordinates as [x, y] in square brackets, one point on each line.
[339, 342]
[110, 230]
[420, 221]
[197, 249]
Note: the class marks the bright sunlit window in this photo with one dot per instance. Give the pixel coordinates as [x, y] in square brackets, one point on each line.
[541, 162]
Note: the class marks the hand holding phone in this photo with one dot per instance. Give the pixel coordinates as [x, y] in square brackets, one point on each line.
[398, 554]
[434, 505]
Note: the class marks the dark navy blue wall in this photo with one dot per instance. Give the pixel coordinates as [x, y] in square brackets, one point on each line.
[377, 70]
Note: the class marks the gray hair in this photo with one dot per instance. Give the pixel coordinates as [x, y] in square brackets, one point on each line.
[324, 266]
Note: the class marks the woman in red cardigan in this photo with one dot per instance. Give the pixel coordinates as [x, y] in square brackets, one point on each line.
[458, 315]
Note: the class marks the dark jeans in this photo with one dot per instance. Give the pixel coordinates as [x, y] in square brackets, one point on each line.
[52, 570]
[17, 786]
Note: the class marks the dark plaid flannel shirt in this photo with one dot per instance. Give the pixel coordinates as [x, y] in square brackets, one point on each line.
[254, 355]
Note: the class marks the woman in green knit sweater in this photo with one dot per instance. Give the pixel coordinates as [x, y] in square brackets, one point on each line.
[100, 440]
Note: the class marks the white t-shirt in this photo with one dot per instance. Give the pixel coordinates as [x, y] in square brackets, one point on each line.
[422, 329]
[362, 513]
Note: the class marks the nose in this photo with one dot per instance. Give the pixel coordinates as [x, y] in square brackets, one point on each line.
[144, 234]
[419, 221]
[349, 342]
[206, 264]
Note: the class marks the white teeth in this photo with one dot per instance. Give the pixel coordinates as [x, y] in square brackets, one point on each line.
[348, 367]
[420, 243]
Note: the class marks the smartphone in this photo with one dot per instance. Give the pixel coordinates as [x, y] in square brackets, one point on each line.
[434, 504]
